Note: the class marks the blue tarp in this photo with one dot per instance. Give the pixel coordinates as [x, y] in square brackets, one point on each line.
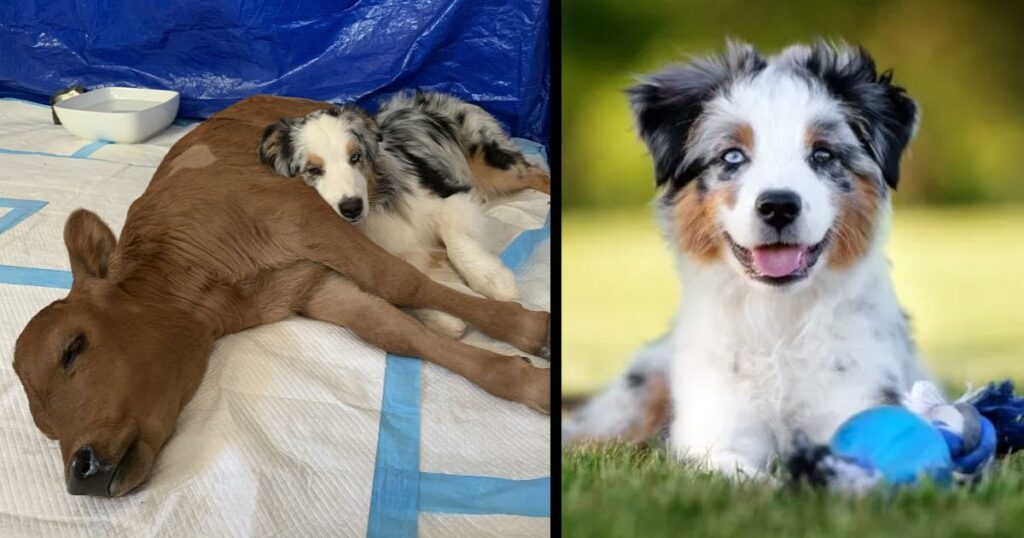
[215, 52]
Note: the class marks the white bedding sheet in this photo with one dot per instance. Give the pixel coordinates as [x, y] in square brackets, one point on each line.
[280, 439]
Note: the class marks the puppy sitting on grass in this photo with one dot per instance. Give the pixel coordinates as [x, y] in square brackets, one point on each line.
[774, 180]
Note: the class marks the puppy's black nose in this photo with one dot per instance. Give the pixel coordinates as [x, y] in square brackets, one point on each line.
[87, 475]
[778, 209]
[351, 207]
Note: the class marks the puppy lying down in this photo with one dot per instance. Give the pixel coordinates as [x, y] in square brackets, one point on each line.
[414, 178]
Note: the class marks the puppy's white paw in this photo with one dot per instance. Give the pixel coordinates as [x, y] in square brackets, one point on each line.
[495, 281]
[735, 466]
[442, 323]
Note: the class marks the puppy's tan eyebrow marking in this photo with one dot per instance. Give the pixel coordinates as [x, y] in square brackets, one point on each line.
[811, 136]
[315, 160]
[352, 147]
[743, 135]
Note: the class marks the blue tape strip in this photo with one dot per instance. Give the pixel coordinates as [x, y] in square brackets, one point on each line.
[31, 276]
[20, 210]
[400, 491]
[85, 151]
[393, 510]
[462, 494]
[28, 276]
[24, 152]
[45, 154]
[516, 254]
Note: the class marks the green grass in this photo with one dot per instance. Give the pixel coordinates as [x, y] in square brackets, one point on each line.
[957, 272]
[625, 491]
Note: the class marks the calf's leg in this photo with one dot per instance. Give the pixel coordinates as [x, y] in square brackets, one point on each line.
[339, 301]
[324, 238]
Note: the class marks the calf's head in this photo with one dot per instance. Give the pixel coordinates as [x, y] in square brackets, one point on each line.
[106, 374]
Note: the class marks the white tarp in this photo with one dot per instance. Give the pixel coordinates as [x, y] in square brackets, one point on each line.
[281, 438]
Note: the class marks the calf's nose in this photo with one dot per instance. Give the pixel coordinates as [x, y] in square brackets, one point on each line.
[87, 475]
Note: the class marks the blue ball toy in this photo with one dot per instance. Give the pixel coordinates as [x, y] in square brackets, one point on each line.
[927, 438]
[900, 445]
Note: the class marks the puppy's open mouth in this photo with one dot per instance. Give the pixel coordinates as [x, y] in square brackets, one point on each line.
[778, 264]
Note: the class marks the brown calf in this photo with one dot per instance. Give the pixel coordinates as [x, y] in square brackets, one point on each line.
[215, 245]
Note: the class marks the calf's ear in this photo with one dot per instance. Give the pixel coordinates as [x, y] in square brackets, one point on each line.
[90, 245]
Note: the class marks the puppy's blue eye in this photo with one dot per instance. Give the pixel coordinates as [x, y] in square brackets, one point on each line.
[822, 155]
[355, 158]
[734, 156]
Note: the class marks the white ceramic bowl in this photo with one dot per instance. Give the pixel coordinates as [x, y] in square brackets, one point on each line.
[125, 115]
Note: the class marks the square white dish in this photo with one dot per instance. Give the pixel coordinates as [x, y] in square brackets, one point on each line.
[123, 115]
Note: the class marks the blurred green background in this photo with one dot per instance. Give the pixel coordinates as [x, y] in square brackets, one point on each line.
[957, 243]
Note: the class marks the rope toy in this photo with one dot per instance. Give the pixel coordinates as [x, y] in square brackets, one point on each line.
[927, 438]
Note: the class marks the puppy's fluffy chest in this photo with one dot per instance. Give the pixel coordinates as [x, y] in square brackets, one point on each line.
[793, 362]
[406, 228]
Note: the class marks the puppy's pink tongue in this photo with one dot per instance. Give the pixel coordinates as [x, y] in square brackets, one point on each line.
[777, 262]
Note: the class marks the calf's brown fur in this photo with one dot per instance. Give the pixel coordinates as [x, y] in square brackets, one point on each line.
[215, 245]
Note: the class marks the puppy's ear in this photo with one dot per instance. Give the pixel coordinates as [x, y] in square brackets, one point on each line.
[90, 244]
[881, 114]
[372, 139]
[666, 106]
[277, 148]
